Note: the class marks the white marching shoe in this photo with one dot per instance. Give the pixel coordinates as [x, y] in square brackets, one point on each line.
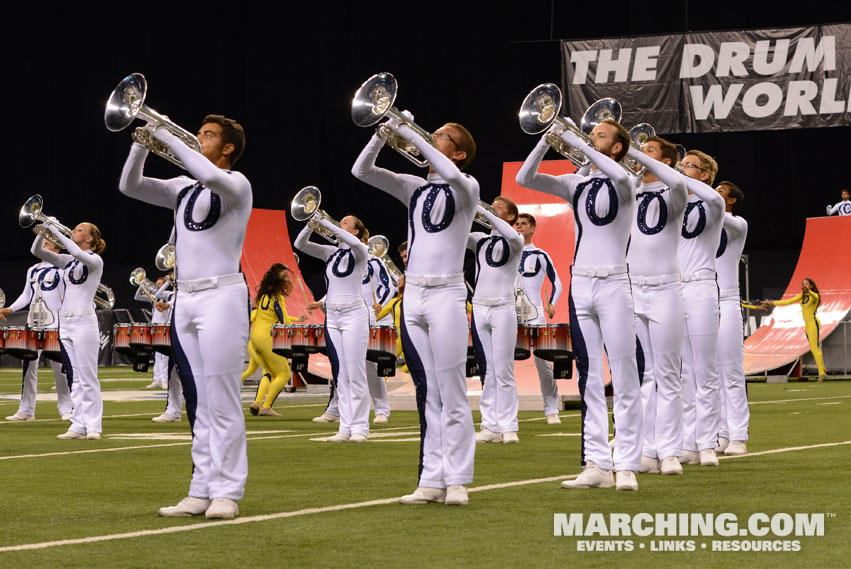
[166, 418]
[188, 506]
[222, 509]
[671, 466]
[488, 436]
[357, 438]
[591, 477]
[736, 448]
[424, 495]
[338, 438]
[723, 443]
[689, 457]
[625, 480]
[708, 457]
[649, 465]
[380, 419]
[510, 438]
[456, 495]
[326, 418]
[71, 435]
[553, 419]
[20, 417]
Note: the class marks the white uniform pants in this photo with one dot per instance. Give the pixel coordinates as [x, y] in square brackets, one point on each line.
[29, 388]
[346, 338]
[174, 403]
[735, 415]
[80, 340]
[600, 315]
[549, 388]
[659, 325]
[377, 392]
[434, 340]
[701, 385]
[496, 331]
[209, 333]
[161, 369]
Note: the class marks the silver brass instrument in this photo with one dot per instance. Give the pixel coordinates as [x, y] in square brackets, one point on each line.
[2, 298]
[378, 245]
[638, 136]
[31, 213]
[127, 102]
[481, 219]
[540, 109]
[305, 207]
[373, 101]
[148, 287]
[166, 258]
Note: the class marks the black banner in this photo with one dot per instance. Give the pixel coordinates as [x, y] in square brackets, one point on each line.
[769, 79]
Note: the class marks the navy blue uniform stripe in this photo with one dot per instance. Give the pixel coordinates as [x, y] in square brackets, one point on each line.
[415, 367]
[580, 352]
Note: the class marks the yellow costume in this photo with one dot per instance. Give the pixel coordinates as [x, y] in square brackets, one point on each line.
[394, 306]
[809, 304]
[269, 311]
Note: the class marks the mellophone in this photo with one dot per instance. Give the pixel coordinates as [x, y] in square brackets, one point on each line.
[298, 341]
[24, 343]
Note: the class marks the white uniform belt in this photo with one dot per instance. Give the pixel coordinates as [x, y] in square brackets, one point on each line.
[211, 282]
[598, 272]
[655, 280]
[76, 313]
[493, 301]
[729, 293]
[701, 275]
[427, 281]
[344, 305]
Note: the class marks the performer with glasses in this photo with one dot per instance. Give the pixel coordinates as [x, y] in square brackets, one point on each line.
[440, 213]
[209, 328]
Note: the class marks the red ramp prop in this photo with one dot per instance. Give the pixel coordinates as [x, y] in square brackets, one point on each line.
[781, 339]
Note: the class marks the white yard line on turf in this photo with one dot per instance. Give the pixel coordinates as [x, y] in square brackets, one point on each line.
[337, 508]
[797, 400]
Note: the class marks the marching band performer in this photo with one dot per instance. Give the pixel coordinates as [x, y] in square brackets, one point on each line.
[41, 291]
[735, 415]
[160, 379]
[495, 320]
[535, 266]
[271, 308]
[346, 320]
[379, 289]
[440, 213]
[601, 305]
[174, 399]
[658, 297]
[699, 238]
[209, 328]
[79, 335]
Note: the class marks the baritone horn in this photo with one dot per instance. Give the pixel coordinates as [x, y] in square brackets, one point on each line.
[305, 207]
[373, 101]
[378, 245]
[127, 102]
[166, 259]
[638, 136]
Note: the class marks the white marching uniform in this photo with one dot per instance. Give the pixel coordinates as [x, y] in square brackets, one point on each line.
[699, 238]
[46, 278]
[735, 414]
[601, 310]
[842, 208]
[209, 327]
[495, 321]
[174, 399]
[377, 286]
[346, 322]
[434, 325]
[79, 335]
[535, 266]
[161, 369]
[658, 297]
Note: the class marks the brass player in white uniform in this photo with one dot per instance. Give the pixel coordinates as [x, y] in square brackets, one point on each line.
[434, 327]
[600, 302]
[209, 328]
